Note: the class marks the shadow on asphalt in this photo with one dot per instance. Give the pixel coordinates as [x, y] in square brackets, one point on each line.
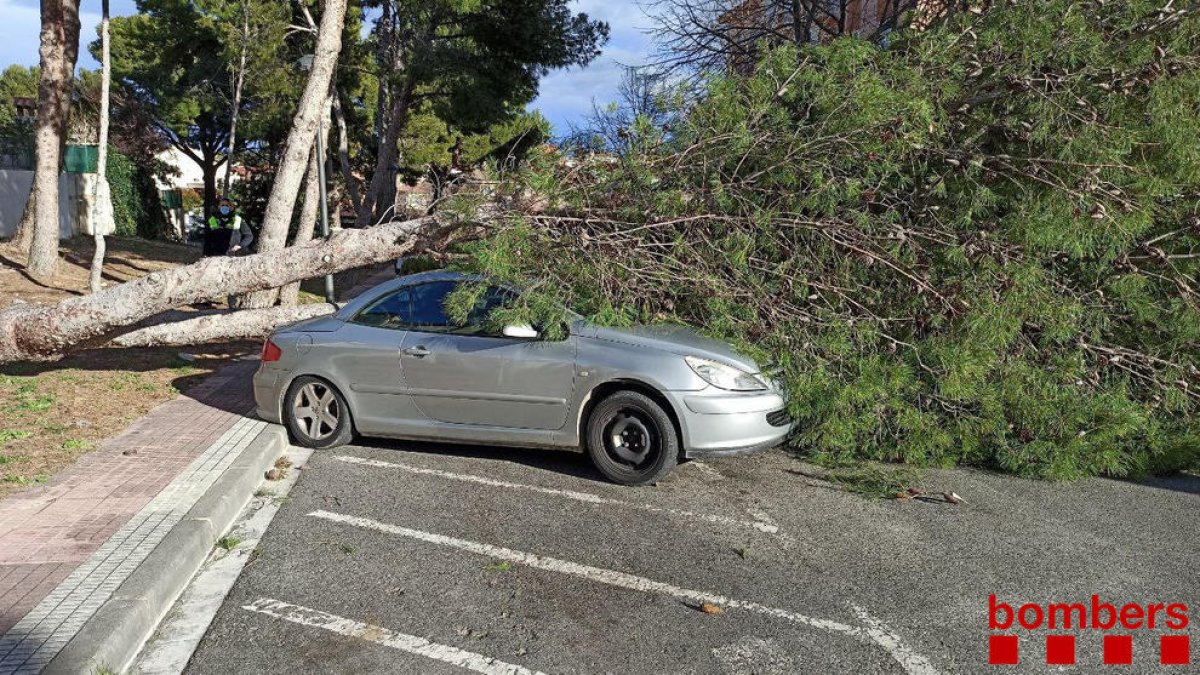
[1177, 482]
[568, 462]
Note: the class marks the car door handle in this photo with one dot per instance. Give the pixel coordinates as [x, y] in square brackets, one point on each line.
[419, 350]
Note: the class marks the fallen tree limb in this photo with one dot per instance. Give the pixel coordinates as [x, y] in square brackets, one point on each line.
[40, 333]
[249, 324]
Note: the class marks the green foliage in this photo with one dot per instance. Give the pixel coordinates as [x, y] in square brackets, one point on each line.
[135, 199]
[15, 82]
[428, 139]
[977, 246]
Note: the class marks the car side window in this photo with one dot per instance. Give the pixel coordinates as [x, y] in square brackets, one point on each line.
[492, 299]
[429, 307]
[391, 311]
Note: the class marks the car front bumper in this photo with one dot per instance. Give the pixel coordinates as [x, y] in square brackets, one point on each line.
[718, 423]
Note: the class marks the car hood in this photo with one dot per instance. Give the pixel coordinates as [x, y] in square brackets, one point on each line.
[672, 338]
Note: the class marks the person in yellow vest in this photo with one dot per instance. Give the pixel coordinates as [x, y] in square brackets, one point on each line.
[227, 232]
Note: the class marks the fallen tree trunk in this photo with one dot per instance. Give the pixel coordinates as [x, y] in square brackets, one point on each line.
[219, 326]
[40, 333]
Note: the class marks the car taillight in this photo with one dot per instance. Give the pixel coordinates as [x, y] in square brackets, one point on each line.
[271, 351]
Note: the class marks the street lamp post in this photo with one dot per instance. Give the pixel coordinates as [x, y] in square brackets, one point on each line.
[324, 200]
[305, 63]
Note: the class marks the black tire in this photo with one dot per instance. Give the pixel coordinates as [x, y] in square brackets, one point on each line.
[631, 439]
[328, 412]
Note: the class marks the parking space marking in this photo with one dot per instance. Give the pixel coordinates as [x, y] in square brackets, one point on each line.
[307, 616]
[875, 632]
[586, 497]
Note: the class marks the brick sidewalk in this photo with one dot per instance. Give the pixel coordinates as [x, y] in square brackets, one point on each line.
[50, 534]
[48, 531]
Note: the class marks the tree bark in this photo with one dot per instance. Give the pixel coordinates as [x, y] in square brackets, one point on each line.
[309, 113]
[102, 212]
[218, 326]
[58, 51]
[356, 202]
[238, 82]
[38, 333]
[381, 198]
[289, 295]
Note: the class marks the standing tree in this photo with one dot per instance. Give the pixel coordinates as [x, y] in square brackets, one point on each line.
[58, 51]
[101, 217]
[175, 59]
[309, 115]
[699, 36]
[476, 64]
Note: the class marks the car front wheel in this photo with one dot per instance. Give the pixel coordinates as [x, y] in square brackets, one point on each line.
[631, 439]
[316, 414]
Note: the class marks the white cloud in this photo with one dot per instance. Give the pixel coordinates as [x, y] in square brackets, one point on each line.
[23, 23]
[566, 96]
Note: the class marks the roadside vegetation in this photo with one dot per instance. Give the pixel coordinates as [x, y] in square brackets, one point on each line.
[977, 246]
[968, 236]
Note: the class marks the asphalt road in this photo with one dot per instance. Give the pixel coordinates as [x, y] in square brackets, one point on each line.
[402, 557]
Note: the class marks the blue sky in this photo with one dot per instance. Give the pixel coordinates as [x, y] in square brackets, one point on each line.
[566, 95]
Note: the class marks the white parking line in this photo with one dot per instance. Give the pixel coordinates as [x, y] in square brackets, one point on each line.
[586, 497]
[306, 616]
[913, 663]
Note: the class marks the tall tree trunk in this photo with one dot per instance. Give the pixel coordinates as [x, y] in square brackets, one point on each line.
[102, 206]
[348, 178]
[384, 41]
[32, 333]
[252, 324]
[290, 295]
[238, 82]
[208, 173]
[310, 111]
[382, 194]
[58, 50]
[24, 233]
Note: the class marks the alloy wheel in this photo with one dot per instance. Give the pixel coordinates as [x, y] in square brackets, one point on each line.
[316, 411]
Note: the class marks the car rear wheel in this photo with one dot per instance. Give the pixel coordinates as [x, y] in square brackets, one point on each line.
[631, 439]
[316, 414]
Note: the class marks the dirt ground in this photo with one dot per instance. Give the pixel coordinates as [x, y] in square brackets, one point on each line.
[51, 413]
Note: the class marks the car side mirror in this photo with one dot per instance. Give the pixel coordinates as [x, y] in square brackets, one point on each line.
[523, 331]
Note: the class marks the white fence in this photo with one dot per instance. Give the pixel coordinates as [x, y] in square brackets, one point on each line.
[75, 192]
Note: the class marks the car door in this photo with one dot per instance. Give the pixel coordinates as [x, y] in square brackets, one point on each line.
[467, 375]
[365, 355]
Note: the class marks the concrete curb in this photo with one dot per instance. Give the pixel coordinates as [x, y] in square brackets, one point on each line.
[114, 635]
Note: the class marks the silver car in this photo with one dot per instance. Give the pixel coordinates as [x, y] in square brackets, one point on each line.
[391, 364]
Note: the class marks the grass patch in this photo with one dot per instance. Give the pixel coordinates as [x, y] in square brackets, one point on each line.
[5, 459]
[35, 404]
[7, 435]
[346, 548]
[501, 566]
[878, 482]
[228, 543]
[76, 444]
[27, 480]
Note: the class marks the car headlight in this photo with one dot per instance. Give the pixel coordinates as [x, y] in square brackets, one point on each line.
[723, 376]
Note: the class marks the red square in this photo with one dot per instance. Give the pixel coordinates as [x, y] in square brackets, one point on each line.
[1060, 650]
[1118, 650]
[1174, 650]
[1002, 650]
